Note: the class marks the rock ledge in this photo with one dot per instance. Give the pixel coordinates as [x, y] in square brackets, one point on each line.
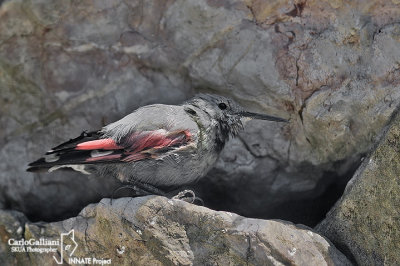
[159, 231]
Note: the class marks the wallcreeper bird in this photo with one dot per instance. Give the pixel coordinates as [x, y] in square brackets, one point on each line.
[157, 145]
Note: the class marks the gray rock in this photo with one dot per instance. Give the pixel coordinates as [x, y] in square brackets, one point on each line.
[12, 226]
[332, 68]
[82, 80]
[158, 231]
[365, 222]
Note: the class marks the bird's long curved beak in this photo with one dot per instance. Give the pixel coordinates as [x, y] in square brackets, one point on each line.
[262, 117]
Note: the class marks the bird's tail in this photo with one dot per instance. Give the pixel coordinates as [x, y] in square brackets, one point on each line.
[64, 155]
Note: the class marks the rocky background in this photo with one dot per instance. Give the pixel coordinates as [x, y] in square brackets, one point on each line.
[330, 67]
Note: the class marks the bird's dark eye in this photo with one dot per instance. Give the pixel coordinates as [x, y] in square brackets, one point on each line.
[222, 106]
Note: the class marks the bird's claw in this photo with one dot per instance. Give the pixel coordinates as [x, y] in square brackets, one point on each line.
[191, 198]
[182, 196]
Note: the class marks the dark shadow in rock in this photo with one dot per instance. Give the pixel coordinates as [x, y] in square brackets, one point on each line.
[54, 197]
[59, 195]
[307, 208]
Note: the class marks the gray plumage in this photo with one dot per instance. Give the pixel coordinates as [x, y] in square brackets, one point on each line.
[161, 145]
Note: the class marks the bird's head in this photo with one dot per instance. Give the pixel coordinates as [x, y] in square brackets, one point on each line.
[228, 114]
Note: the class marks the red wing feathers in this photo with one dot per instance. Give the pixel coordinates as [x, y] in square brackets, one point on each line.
[157, 139]
[104, 158]
[100, 144]
[151, 143]
[90, 148]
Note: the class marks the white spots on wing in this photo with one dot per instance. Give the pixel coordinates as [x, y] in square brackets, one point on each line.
[96, 153]
[79, 168]
[51, 169]
[51, 158]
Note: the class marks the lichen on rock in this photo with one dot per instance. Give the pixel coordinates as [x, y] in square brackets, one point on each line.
[365, 222]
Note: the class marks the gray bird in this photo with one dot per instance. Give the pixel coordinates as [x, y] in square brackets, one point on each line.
[159, 145]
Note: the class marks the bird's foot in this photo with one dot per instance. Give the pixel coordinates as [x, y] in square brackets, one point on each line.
[149, 189]
[188, 196]
[144, 189]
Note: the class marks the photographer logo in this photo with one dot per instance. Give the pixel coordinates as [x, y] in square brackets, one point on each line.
[66, 244]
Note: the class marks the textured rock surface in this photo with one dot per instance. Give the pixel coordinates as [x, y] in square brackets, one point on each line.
[330, 66]
[366, 220]
[158, 231]
[59, 75]
[11, 226]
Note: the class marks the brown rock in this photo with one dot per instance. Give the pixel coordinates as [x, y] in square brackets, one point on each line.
[159, 231]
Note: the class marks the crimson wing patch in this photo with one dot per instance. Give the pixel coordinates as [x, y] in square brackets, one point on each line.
[91, 148]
